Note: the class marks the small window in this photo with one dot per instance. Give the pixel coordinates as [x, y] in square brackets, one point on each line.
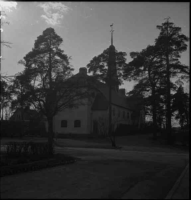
[64, 123]
[77, 123]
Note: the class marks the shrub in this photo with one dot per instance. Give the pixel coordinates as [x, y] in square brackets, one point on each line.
[24, 164]
[27, 149]
[37, 149]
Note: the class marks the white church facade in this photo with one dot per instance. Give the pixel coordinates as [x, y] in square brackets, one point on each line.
[92, 117]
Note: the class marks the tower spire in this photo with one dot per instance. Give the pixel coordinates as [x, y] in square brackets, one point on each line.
[112, 71]
[111, 33]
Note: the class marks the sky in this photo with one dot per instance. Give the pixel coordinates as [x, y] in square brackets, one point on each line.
[85, 28]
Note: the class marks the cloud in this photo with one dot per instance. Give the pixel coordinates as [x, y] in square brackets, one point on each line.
[53, 12]
[7, 6]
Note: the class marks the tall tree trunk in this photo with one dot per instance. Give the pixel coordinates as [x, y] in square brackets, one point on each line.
[111, 134]
[22, 120]
[22, 114]
[50, 118]
[168, 105]
[113, 139]
[2, 114]
[2, 106]
[168, 100]
[154, 115]
[187, 118]
[50, 136]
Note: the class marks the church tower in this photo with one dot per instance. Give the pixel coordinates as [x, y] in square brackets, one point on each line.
[112, 65]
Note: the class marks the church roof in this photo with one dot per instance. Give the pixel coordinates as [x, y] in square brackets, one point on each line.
[116, 99]
[100, 102]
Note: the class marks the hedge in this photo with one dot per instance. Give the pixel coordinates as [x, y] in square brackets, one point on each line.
[25, 149]
[27, 156]
[37, 165]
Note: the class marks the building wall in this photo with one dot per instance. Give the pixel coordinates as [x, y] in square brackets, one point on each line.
[121, 115]
[117, 116]
[80, 113]
[87, 118]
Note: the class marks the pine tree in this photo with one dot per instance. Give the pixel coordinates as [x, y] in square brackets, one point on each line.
[146, 68]
[52, 88]
[181, 106]
[171, 43]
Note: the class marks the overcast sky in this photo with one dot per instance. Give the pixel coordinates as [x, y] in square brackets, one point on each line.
[85, 28]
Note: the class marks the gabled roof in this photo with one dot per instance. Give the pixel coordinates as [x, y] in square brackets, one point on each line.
[100, 102]
[116, 98]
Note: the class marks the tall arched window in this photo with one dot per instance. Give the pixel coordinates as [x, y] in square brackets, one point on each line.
[64, 123]
[77, 123]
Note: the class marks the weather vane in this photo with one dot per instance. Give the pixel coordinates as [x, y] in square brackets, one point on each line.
[111, 33]
[167, 18]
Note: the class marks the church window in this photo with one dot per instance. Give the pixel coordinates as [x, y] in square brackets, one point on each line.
[77, 123]
[63, 123]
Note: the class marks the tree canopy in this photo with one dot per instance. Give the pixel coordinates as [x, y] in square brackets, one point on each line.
[47, 79]
[99, 65]
[153, 67]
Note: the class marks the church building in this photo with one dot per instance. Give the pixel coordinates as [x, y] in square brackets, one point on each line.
[93, 116]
